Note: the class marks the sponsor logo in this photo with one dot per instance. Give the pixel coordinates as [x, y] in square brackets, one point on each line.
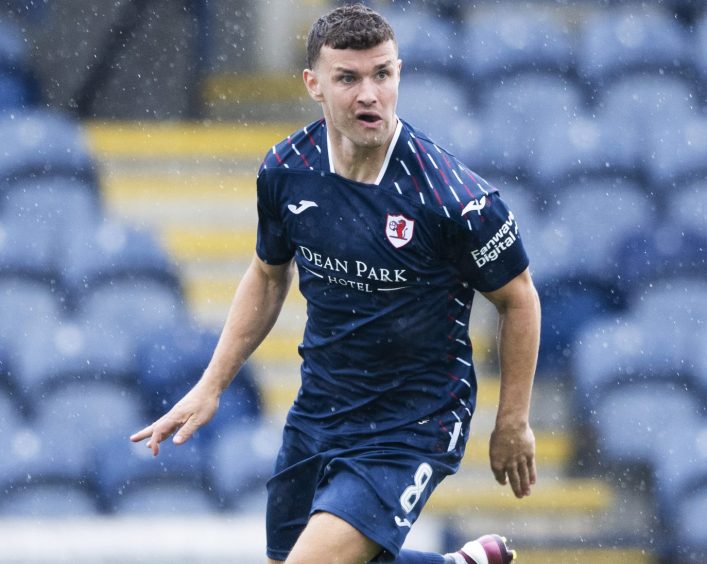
[399, 230]
[501, 240]
[475, 205]
[341, 271]
[303, 205]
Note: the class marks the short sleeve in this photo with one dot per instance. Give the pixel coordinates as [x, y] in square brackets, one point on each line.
[272, 244]
[488, 248]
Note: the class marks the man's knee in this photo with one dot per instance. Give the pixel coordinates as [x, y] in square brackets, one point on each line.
[328, 538]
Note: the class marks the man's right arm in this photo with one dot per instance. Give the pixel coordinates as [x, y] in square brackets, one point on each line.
[253, 312]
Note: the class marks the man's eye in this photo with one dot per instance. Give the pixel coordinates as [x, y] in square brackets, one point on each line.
[383, 74]
[347, 78]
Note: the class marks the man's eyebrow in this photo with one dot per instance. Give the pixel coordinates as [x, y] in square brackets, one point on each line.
[341, 68]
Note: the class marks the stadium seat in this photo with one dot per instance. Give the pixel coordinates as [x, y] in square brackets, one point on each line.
[506, 39]
[29, 249]
[647, 107]
[242, 460]
[87, 411]
[585, 225]
[18, 89]
[665, 251]
[424, 42]
[699, 47]
[678, 150]
[72, 351]
[446, 118]
[43, 473]
[680, 464]
[10, 417]
[174, 360]
[584, 145]
[690, 538]
[636, 423]
[514, 111]
[133, 482]
[41, 142]
[60, 202]
[138, 309]
[109, 253]
[687, 205]
[631, 39]
[26, 306]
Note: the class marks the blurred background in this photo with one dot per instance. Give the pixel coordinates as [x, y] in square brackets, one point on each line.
[130, 135]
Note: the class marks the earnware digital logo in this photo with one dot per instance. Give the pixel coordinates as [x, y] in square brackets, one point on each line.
[502, 239]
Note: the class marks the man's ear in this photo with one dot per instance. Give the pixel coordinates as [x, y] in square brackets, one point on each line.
[311, 82]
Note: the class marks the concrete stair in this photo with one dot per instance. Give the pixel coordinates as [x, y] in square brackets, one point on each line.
[195, 186]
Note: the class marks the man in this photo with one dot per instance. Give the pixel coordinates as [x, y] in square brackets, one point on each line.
[388, 386]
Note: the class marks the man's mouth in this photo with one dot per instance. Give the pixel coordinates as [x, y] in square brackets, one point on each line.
[368, 118]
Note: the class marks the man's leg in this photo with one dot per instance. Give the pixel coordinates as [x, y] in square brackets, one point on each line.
[327, 538]
[489, 549]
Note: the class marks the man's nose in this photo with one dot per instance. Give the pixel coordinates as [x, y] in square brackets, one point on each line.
[367, 93]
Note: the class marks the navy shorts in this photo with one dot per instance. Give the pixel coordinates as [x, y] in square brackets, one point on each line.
[377, 484]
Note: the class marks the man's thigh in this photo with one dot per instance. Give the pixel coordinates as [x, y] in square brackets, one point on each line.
[327, 538]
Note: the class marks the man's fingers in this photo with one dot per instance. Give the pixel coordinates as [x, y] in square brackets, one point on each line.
[142, 434]
[514, 479]
[186, 431]
[500, 475]
[532, 472]
[524, 475]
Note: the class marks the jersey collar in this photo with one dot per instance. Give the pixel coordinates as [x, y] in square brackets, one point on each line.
[386, 160]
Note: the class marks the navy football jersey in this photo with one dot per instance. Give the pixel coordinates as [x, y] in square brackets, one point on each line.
[389, 272]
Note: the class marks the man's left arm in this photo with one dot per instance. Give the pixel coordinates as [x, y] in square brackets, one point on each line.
[512, 446]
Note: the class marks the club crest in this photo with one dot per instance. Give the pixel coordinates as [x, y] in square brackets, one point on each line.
[399, 230]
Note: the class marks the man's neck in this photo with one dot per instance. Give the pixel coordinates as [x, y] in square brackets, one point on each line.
[361, 164]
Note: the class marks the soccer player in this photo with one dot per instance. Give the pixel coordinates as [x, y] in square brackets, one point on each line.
[392, 236]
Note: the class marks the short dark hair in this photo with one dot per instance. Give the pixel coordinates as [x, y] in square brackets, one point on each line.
[353, 26]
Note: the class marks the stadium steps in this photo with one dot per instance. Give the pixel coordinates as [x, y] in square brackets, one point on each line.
[195, 186]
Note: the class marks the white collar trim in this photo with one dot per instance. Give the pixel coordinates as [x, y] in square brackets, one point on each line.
[388, 154]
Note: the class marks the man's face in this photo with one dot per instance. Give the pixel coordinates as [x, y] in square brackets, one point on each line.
[358, 90]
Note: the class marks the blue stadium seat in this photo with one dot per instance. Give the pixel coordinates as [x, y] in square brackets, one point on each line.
[424, 41]
[87, 411]
[678, 150]
[514, 112]
[446, 118]
[680, 465]
[523, 200]
[18, 89]
[687, 205]
[584, 145]
[699, 47]
[586, 223]
[132, 482]
[42, 473]
[137, 308]
[666, 251]
[60, 202]
[27, 307]
[40, 142]
[173, 361]
[242, 460]
[636, 39]
[647, 107]
[506, 39]
[111, 253]
[10, 417]
[632, 426]
[29, 248]
[690, 538]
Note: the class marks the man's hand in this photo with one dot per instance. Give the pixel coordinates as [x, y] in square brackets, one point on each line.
[195, 409]
[512, 453]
